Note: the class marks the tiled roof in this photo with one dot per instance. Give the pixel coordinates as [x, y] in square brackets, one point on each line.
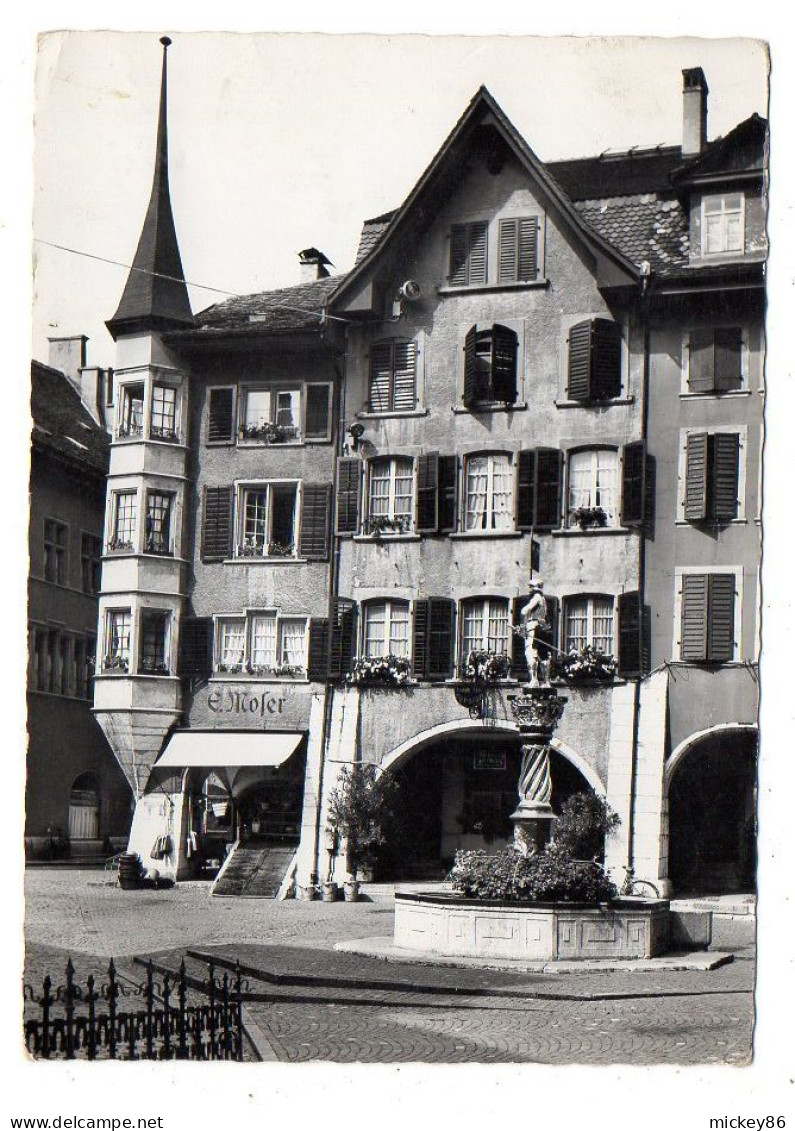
[286, 310]
[648, 227]
[62, 424]
[617, 174]
[372, 230]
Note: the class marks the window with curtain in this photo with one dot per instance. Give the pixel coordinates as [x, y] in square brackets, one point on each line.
[118, 628]
[158, 522]
[164, 413]
[593, 488]
[124, 519]
[484, 626]
[386, 629]
[390, 495]
[231, 650]
[489, 493]
[263, 640]
[589, 621]
[292, 637]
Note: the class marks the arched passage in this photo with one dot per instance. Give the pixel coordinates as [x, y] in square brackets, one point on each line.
[711, 791]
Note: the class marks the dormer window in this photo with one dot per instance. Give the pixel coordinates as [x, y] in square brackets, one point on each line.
[723, 224]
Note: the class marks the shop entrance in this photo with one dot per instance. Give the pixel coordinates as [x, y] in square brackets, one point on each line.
[271, 812]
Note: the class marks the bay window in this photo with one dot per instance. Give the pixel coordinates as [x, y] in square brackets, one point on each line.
[593, 488]
[131, 410]
[158, 522]
[588, 622]
[390, 495]
[125, 513]
[489, 491]
[164, 413]
[118, 629]
[386, 629]
[154, 641]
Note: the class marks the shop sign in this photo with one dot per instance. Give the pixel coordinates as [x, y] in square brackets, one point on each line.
[490, 760]
[233, 701]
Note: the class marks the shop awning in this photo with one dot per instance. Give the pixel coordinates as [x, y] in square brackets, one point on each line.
[226, 754]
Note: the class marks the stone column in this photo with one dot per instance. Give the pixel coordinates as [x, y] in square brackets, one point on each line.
[537, 711]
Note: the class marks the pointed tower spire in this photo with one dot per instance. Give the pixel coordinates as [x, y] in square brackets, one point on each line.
[156, 296]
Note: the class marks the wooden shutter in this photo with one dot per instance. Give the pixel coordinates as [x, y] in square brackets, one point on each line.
[381, 377]
[701, 363]
[725, 475]
[579, 388]
[509, 251]
[694, 616]
[477, 252]
[518, 252]
[504, 346]
[349, 489]
[633, 484]
[221, 416]
[428, 493]
[217, 524]
[419, 639]
[525, 489]
[728, 359]
[448, 493]
[441, 622]
[519, 668]
[318, 654]
[549, 465]
[343, 638]
[630, 635]
[458, 255]
[471, 367]
[318, 411]
[196, 647]
[605, 359]
[315, 522]
[528, 250]
[404, 383]
[720, 642]
[696, 477]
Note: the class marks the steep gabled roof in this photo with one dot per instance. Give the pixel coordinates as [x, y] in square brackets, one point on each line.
[742, 150]
[62, 425]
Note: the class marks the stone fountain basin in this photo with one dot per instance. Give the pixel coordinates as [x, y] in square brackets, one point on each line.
[453, 926]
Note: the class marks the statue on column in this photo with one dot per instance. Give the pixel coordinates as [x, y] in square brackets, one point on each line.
[533, 620]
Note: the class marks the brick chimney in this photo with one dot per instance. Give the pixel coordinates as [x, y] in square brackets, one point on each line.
[314, 265]
[694, 112]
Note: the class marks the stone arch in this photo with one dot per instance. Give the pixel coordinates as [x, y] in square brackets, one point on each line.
[692, 740]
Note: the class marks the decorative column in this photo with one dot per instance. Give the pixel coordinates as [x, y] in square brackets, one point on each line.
[537, 711]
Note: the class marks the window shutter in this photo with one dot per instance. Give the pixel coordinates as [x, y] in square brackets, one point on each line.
[217, 527]
[725, 475]
[448, 493]
[509, 250]
[380, 376]
[349, 489]
[605, 359]
[528, 250]
[419, 640]
[471, 367]
[696, 477]
[728, 359]
[343, 638]
[633, 484]
[701, 364]
[221, 416]
[428, 493]
[519, 668]
[477, 252]
[720, 645]
[318, 411]
[694, 617]
[196, 647]
[630, 635]
[549, 464]
[318, 655]
[458, 255]
[404, 388]
[525, 489]
[315, 522]
[441, 620]
[580, 362]
[504, 347]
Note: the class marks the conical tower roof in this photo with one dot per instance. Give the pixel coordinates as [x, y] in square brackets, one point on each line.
[156, 296]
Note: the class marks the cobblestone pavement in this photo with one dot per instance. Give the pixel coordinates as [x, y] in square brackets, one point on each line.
[413, 1013]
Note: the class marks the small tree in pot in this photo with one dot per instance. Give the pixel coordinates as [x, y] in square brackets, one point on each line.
[358, 809]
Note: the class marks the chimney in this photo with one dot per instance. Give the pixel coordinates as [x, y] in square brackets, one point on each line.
[69, 355]
[314, 265]
[694, 112]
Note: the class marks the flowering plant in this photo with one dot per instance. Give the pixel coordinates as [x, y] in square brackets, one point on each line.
[548, 876]
[589, 516]
[115, 664]
[384, 524]
[117, 545]
[268, 432]
[484, 666]
[587, 662]
[275, 669]
[232, 667]
[386, 671]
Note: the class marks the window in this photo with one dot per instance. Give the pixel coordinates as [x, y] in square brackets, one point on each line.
[715, 360]
[131, 414]
[268, 521]
[594, 360]
[118, 626]
[490, 365]
[588, 621]
[158, 522]
[386, 629]
[723, 224]
[484, 627]
[518, 257]
[468, 254]
[65, 655]
[593, 488]
[390, 495]
[231, 647]
[489, 490]
[271, 416]
[393, 377]
[154, 641]
[164, 413]
[276, 645]
[708, 603]
[84, 651]
[712, 476]
[125, 513]
[55, 536]
[90, 562]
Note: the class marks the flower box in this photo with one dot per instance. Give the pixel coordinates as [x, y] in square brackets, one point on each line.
[585, 664]
[384, 524]
[269, 433]
[120, 546]
[115, 664]
[585, 517]
[381, 671]
[484, 666]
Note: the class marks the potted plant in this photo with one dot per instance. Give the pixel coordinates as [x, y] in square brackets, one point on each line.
[581, 665]
[383, 671]
[585, 517]
[358, 809]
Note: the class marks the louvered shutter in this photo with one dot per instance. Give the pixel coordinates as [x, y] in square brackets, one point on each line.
[318, 654]
[579, 388]
[605, 359]
[343, 638]
[419, 639]
[696, 477]
[448, 493]
[694, 617]
[725, 475]
[318, 411]
[221, 416]
[701, 363]
[633, 484]
[349, 488]
[549, 465]
[504, 346]
[477, 253]
[315, 521]
[428, 493]
[404, 387]
[217, 524]
[441, 621]
[630, 635]
[728, 359]
[380, 376]
[458, 255]
[720, 643]
[525, 489]
[471, 367]
[528, 250]
[196, 647]
[519, 668]
[509, 250]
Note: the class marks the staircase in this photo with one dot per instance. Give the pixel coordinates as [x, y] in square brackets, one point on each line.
[255, 871]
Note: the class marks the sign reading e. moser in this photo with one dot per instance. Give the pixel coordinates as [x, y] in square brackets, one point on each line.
[234, 701]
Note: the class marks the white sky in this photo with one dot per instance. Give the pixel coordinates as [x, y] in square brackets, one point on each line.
[279, 142]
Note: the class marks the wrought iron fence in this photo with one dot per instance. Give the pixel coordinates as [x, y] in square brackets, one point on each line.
[87, 1022]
